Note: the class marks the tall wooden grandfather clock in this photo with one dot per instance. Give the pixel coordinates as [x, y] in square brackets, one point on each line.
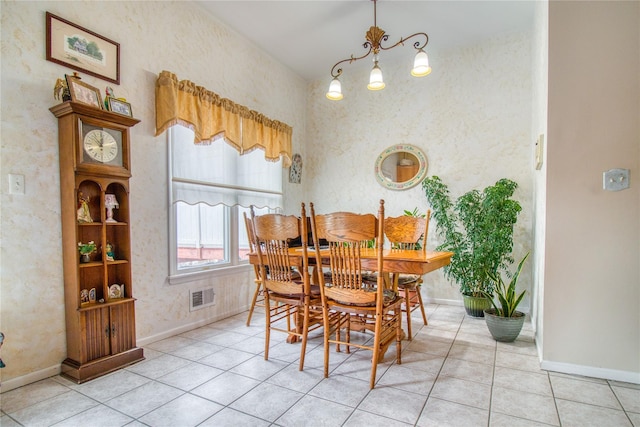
[94, 189]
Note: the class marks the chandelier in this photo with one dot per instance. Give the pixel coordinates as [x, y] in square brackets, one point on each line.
[375, 36]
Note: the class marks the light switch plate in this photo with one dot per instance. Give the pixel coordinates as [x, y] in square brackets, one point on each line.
[16, 184]
[615, 179]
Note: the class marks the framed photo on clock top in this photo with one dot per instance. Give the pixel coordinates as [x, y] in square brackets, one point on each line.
[119, 106]
[82, 92]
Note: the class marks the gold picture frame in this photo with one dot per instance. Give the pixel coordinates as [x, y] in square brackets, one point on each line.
[119, 106]
[82, 92]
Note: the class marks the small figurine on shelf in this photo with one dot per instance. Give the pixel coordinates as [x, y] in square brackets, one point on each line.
[60, 90]
[110, 202]
[92, 295]
[86, 249]
[84, 215]
[115, 291]
[108, 94]
[84, 296]
[110, 252]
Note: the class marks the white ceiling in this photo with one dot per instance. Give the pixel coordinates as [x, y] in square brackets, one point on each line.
[309, 36]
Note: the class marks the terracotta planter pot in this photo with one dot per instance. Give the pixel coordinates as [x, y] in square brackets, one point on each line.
[504, 329]
[475, 306]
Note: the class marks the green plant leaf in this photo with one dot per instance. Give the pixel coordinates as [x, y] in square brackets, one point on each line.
[478, 228]
[506, 293]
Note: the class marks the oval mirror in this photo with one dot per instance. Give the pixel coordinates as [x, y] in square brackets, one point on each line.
[400, 167]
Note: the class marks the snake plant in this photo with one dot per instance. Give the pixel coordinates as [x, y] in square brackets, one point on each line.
[507, 298]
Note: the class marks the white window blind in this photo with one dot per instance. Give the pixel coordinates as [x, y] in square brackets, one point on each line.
[211, 186]
[216, 174]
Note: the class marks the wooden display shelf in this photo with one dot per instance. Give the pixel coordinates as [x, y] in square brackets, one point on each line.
[100, 336]
[90, 264]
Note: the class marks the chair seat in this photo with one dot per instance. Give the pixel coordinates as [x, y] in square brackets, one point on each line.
[315, 293]
[390, 297]
[370, 278]
[409, 281]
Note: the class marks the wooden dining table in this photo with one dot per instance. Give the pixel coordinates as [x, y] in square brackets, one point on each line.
[400, 261]
[395, 261]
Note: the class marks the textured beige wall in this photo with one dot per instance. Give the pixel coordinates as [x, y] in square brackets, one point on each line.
[592, 273]
[153, 36]
[471, 116]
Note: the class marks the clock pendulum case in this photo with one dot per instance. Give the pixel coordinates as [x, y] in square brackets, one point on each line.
[95, 162]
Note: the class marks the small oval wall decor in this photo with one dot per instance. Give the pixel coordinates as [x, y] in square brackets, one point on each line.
[400, 167]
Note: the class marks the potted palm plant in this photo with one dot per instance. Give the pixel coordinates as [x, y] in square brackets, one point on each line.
[478, 229]
[503, 320]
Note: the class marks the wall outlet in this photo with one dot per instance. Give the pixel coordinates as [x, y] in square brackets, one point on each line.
[615, 179]
[16, 184]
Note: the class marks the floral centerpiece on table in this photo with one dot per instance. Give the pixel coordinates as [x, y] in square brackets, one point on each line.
[87, 248]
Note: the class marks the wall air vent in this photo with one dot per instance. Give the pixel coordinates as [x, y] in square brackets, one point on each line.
[201, 299]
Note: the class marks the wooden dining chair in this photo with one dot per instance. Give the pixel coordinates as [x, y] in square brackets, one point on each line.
[289, 299]
[258, 294]
[346, 294]
[408, 233]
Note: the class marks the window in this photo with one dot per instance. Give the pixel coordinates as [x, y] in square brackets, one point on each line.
[212, 186]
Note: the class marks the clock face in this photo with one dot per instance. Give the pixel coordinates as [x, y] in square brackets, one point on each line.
[100, 146]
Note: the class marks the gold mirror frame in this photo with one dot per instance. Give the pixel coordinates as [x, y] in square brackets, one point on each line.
[388, 165]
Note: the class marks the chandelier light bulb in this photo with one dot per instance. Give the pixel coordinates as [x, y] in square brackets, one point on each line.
[335, 90]
[421, 66]
[375, 78]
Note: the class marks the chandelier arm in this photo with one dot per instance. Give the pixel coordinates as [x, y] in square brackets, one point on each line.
[338, 72]
[416, 45]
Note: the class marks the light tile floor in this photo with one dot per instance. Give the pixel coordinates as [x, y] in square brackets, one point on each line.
[452, 374]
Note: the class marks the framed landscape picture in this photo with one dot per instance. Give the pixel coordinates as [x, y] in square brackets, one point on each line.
[81, 49]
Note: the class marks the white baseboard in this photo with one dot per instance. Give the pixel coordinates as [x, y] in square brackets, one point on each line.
[141, 342]
[31, 377]
[42, 374]
[591, 371]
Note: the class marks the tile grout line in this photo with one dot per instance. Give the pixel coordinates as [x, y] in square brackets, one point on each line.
[439, 370]
[493, 381]
[626, 413]
[555, 400]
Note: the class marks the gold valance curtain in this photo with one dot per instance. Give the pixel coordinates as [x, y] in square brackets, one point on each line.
[211, 116]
